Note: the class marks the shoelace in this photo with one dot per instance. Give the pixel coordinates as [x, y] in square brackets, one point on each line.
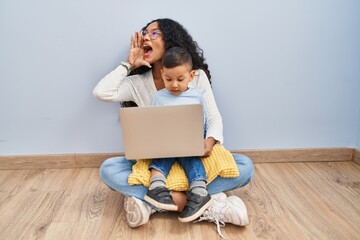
[209, 215]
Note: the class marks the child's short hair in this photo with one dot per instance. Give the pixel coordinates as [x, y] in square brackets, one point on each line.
[176, 56]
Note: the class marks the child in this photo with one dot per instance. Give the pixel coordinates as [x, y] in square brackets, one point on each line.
[177, 72]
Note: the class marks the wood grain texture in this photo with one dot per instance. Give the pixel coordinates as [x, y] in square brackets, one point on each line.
[304, 200]
[95, 160]
[310, 200]
[356, 156]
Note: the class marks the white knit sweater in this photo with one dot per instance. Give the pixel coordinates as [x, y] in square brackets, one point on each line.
[118, 87]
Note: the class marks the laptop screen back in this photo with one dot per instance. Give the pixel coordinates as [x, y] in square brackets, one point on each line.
[162, 131]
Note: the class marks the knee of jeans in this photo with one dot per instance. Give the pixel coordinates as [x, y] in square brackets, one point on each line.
[103, 169]
[114, 173]
[107, 166]
[250, 167]
[245, 166]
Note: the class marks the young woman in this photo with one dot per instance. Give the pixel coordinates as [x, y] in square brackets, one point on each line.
[137, 80]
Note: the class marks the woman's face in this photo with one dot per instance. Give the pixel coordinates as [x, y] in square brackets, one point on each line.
[153, 44]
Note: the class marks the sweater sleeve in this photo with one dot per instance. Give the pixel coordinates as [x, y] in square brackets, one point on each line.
[214, 125]
[114, 87]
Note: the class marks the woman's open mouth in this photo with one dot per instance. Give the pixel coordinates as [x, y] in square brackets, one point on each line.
[147, 51]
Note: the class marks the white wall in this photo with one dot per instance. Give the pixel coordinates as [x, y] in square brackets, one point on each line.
[285, 73]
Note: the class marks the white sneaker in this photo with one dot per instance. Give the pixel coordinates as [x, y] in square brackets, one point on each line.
[137, 211]
[219, 196]
[226, 210]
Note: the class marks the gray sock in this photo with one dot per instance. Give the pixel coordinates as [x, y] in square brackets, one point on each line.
[199, 187]
[157, 181]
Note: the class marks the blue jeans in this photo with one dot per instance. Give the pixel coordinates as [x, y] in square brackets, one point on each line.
[193, 167]
[115, 171]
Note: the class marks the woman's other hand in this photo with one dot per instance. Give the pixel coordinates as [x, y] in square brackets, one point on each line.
[209, 144]
[136, 55]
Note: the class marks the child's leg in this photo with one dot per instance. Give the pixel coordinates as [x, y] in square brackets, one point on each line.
[198, 198]
[158, 195]
[157, 179]
[199, 187]
[195, 172]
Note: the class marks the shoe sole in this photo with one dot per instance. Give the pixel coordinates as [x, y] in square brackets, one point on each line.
[246, 219]
[133, 216]
[243, 209]
[161, 205]
[197, 214]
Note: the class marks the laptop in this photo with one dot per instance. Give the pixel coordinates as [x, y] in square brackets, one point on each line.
[162, 131]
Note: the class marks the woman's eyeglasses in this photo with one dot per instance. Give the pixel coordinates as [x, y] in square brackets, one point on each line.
[153, 34]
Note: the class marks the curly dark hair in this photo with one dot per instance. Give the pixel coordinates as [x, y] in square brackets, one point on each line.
[175, 35]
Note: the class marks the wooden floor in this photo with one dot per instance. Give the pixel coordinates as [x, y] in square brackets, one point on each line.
[285, 201]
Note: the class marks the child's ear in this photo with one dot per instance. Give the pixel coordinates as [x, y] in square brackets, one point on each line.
[192, 75]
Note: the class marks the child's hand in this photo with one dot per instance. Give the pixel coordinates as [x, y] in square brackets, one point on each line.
[208, 145]
[136, 54]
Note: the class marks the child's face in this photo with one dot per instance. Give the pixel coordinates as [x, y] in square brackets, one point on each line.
[176, 79]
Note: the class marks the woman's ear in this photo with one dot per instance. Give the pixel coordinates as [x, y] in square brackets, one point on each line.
[192, 75]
